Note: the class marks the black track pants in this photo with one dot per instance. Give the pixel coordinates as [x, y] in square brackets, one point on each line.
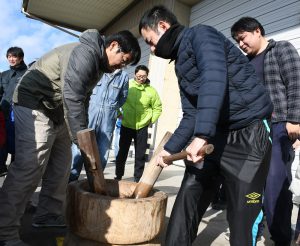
[241, 157]
[140, 138]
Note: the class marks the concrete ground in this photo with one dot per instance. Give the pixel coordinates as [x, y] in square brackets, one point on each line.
[211, 231]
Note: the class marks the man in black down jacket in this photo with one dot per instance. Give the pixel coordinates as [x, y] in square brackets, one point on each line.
[51, 98]
[224, 104]
[8, 82]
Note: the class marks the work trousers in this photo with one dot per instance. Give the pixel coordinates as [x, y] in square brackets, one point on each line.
[140, 146]
[278, 203]
[241, 157]
[43, 151]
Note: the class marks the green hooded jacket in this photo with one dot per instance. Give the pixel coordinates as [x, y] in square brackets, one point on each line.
[142, 106]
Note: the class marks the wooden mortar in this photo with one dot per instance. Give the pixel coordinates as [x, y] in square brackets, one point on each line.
[115, 218]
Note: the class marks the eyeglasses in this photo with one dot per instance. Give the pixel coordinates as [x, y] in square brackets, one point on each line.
[141, 77]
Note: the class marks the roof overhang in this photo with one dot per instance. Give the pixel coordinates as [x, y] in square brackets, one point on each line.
[77, 15]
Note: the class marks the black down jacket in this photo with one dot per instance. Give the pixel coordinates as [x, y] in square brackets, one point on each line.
[218, 86]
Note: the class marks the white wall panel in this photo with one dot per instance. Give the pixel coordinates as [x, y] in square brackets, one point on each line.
[281, 19]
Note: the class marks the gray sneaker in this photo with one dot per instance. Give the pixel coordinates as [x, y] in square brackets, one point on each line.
[49, 220]
[13, 242]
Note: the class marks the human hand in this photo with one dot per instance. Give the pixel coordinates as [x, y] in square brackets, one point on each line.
[296, 145]
[193, 150]
[293, 130]
[159, 159]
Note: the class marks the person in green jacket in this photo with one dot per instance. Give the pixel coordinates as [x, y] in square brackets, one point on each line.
[141, 109]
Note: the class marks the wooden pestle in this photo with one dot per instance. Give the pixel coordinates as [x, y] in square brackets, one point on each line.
[205, 150]
[152, 171]
[91, 159]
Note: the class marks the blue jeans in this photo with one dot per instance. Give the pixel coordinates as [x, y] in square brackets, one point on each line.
[107, 97]
[103, 143]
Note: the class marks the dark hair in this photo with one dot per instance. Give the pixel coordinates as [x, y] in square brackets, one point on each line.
[128, 44]
[158, 13]
[246, 24]
[141, 67]
[15, 51]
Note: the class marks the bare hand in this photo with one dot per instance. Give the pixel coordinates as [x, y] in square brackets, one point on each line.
[293, 130]
[160, 161]
[194, 148]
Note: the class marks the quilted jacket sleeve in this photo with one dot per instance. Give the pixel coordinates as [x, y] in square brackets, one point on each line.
[212, 65]
[203, 86]
[79, 80]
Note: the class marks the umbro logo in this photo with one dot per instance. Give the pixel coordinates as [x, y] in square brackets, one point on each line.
[253, 198]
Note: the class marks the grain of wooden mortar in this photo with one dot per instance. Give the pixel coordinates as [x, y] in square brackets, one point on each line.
[115, 218]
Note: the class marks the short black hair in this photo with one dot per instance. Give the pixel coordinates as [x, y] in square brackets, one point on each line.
[246, 24]
[141, 67]
[128, 44]
[15, 51]
[158, 13]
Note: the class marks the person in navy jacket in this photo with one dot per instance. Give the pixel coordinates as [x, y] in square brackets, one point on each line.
[224, 104]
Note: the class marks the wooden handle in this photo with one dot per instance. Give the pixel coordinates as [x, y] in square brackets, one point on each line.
[205, 150]
[91, 159]
[152, 171]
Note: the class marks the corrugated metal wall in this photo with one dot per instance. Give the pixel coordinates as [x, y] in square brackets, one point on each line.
[281, 19]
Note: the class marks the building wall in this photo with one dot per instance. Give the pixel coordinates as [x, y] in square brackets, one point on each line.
[281, 19]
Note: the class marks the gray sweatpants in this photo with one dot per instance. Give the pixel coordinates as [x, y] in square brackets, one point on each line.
[43, 151]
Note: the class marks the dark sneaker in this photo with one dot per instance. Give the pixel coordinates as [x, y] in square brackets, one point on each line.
[30, 208]
[3, 172]
[283, 244]
[118, 178]
[49, 220]
[13, 242]
[73, 177]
